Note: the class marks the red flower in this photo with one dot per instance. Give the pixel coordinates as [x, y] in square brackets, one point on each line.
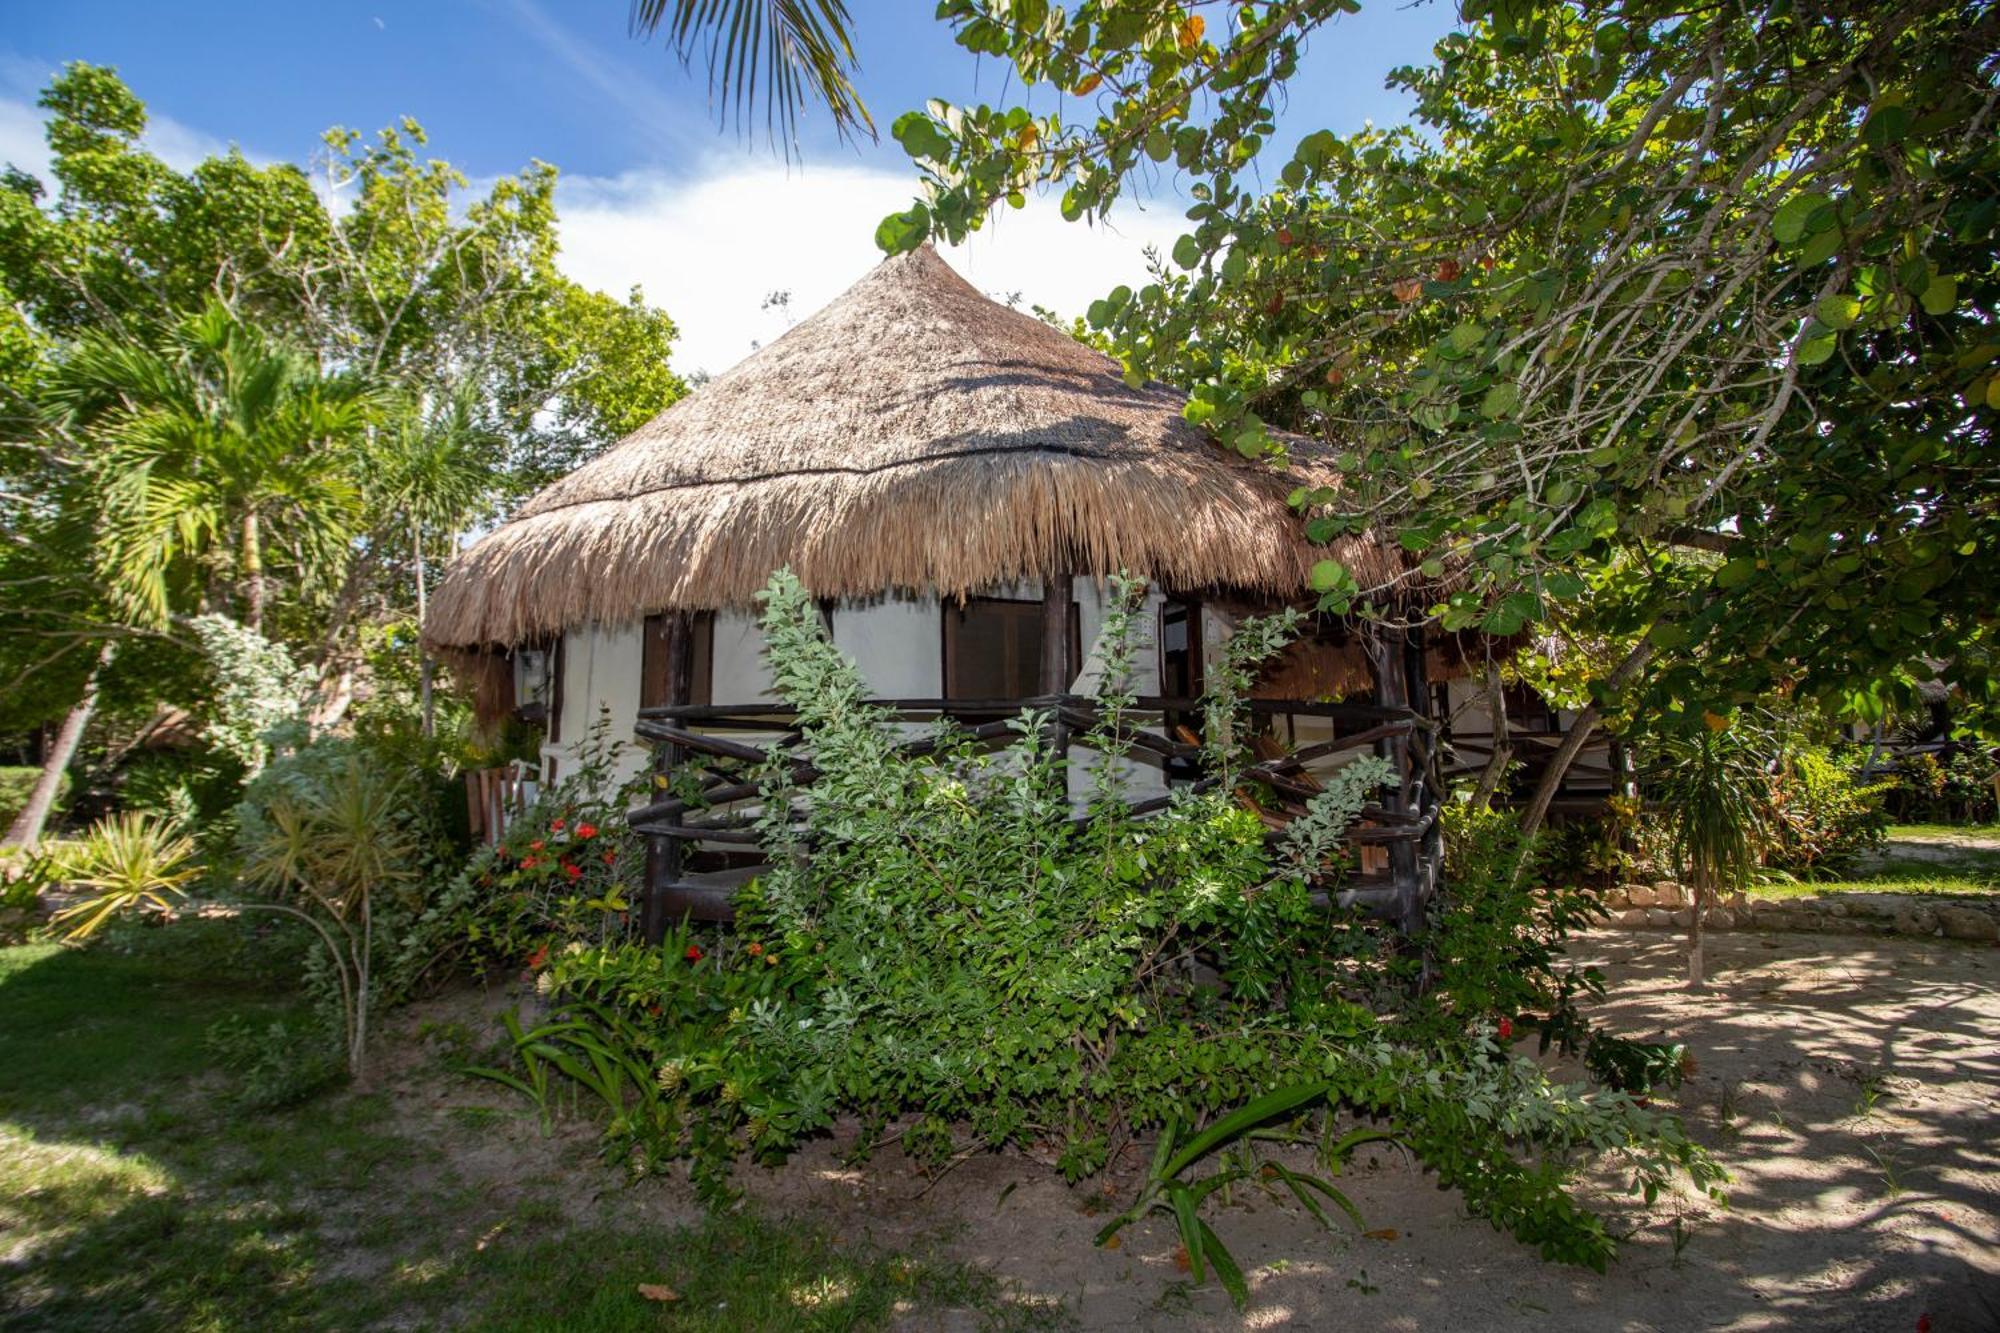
[756, 949]
[1506, 1029]
[694, 953]
[527, 863]
[572, 870]
[1923, 1323]
[539, 956]
[586, 830]
[536, 845]
[611, 858]
[557, 827]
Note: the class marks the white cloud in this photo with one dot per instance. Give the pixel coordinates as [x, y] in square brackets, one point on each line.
[21, 141]
[709, 246]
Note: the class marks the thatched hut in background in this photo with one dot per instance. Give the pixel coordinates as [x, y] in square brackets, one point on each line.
[954, 479]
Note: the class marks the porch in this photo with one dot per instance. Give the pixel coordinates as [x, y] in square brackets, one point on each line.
[703, 845]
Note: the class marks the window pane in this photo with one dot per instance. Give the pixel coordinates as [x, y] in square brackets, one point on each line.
[993, 649]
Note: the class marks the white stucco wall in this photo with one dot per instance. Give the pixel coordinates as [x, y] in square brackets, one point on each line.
[600, 674]
[896, 641]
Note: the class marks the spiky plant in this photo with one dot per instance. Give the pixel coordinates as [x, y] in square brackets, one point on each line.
[127, 862]
[1713, 787]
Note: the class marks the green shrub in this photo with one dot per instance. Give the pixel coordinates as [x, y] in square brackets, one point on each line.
[959, 958]
[274, 1066]
[1958, 790]
[1820, 817]
[565, 872]
[1496, 932]
[16, 782]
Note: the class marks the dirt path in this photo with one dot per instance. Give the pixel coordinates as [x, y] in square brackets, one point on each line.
[1851, 1086]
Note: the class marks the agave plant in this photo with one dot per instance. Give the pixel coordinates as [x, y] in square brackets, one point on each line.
[328, 851]
[128, 862]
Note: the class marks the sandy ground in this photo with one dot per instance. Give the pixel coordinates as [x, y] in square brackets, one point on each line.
[1850, 1086]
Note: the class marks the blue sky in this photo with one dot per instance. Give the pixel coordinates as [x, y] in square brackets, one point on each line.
[706, 221]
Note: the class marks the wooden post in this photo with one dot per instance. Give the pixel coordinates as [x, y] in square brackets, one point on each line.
[663, 854]
[1056, 677]
[1387, 653]
[1056, 672]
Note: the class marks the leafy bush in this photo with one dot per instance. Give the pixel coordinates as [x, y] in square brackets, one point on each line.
[16, 782]
[274, 1066]
[1958, 790]
[958, 956]
[564, 872]
[1496, 932]
[1820, 816]
[334, 841]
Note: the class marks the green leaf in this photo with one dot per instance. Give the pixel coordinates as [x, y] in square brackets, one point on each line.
[1940, 295]
[1838, 310]
[920, 137]
[1736, 572]
[1226, 1270]
[1817, 347]
[1789, 223]
[1187, 252]
[1252, 1114]
[1562, 584]
[1327, 575]
[1502, 400]
[900, 233]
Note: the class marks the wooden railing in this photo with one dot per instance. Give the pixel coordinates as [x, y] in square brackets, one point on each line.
[703, 843]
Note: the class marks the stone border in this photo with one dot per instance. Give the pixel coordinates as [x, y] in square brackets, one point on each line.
[1665, 904]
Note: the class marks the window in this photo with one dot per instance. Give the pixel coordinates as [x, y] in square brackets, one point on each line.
[993, 648]
[1180, 649]
[655, 662]
[1180, 678]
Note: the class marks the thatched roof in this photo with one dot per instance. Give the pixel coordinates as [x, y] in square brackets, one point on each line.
[913, 435]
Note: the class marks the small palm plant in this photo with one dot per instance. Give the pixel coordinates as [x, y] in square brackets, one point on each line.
[1714, 787]
[128, 862]
[330, 849]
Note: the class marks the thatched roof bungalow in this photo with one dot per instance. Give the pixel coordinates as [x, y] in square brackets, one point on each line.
[911, 442]
[952, 477]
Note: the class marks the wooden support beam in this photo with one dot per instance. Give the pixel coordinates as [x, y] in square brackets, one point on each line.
[1057, 672]
[1388, 653]
[664, 856]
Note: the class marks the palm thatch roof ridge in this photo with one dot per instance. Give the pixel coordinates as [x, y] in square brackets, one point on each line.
[911, 436]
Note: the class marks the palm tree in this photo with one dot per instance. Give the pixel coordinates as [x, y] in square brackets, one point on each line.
[196, 456]
[208, 451]
[432, 473]
[798, 51]
[1713, 786]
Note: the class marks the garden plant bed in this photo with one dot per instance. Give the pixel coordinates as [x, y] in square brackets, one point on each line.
[1847, 1084]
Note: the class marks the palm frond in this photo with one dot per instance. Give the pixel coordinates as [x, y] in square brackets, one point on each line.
[797, 51]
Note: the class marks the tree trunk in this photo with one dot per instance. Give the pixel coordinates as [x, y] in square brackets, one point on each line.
[424, 686]
[1503, 747]
[26, 830]
[253, 574]
[1697, 974]
[1579, 732]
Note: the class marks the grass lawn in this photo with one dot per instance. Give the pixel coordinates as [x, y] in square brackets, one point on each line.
[1918, 858]
[137, 1193]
